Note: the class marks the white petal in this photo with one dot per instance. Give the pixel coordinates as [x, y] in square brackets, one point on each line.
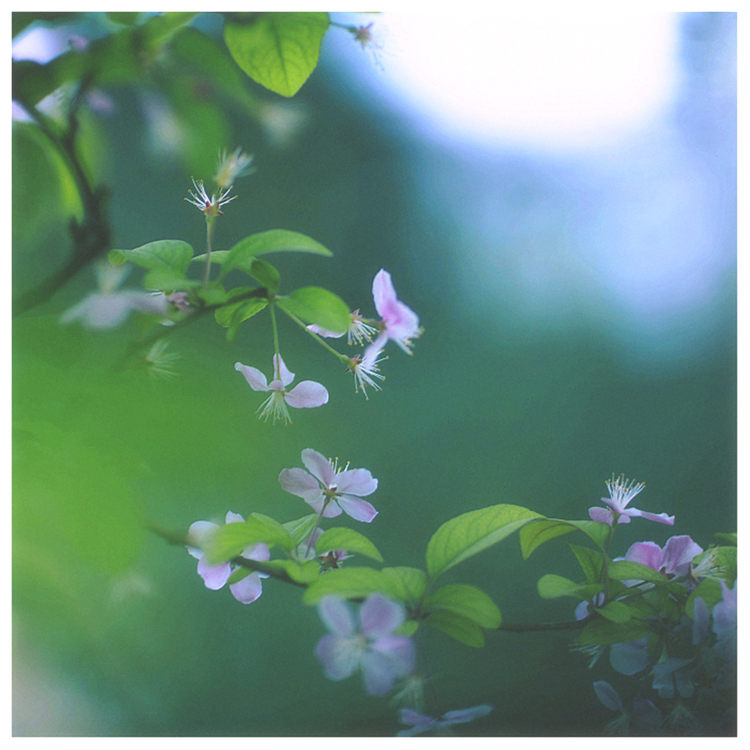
[255, 378]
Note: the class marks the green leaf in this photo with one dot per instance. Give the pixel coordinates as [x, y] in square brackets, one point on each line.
[349, 540]
[467, 601]
[545, 529]
[266, 274]
[272, 241]
[277, 50]
[590, 561]
[301, 572]
[552, 586]
[730, 539]
[624, 570]
[470, 533]
[461, 628]
[709, 590]
[601, 632]
[230, 540]
[301, 528]
[346, 583]
[313, 304]
[405, 584]
[615, 611]
[173, 256]
[230, 316]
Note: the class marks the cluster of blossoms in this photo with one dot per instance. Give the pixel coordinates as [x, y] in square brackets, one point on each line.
[685, 654]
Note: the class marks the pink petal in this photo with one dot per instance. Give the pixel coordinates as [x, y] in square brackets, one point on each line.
[658, 517]
[359, 510]
[464, 715]
[248, 589]
[338, 659]
[307, 395]
[356, 482]
[283, 374]
[255, 378]
[383, 293]
[214, 576]
[604, 515]
[259, 552]
[300, 483]
[379, 616]
[646, 553]
[233, 518]
[336, 616]
[319, 466]
[679, 552]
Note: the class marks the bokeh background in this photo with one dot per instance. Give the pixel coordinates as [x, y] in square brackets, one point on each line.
[569, 244]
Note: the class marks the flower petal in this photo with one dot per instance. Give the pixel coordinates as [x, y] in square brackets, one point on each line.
[629, 658]
[679, 552]
[658, 517]
[338, 657]
[307, 395]
[255, 378]
[248, 589]
[603, 515]
[385, 661]
[319, 466]
[356, 482]
[646, 553]
[380, 616]
[359, 510]
[608, 695]
[464, 715]
[214, 576]
[282, 372]
[336, 615]
[299, 482]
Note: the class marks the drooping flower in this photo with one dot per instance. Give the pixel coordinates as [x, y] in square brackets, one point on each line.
[305, 395]
[398, 323]
[368, 643]
[330, 490]
[108, 308]
[246, 590]
[370, 40]
[673, 560]
[210, 205]
[231, 166]
[421, 723]
[358, 332]
[621, 492]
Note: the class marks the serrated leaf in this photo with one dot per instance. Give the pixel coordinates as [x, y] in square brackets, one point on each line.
[467, 601]
[277, 50]
[552, 586]
[545, 529]
[242, 254]
[461, 628]
[349, 540]
[626, 570]
[470, 533]
[313, 304]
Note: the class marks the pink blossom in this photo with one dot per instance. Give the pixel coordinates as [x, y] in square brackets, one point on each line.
[305, 395]
[673, 560]
[358, 332]
[621, 492]
[368, 644]
[329, 490]
[246, 590]
[398, 323]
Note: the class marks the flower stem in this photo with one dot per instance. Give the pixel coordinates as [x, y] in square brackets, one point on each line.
[319, 339]
[317, 523]
[276, 351]
[209, 234]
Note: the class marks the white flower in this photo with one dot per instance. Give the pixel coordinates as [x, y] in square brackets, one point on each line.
[305, 395]
[109, 308]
